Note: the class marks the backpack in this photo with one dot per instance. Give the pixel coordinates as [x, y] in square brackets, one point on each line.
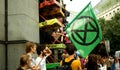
[65, 65]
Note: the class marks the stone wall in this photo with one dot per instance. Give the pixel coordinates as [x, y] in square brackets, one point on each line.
[23, 19]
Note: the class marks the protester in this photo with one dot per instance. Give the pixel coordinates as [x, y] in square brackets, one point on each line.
[71, 50]
[116, 64]
[64, 54]
[30, 50]
[92, 60]
[24, 62]
[109, 61]
[43, 52]
[84, 61]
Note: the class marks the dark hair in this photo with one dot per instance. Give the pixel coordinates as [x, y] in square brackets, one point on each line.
[92, 60]
[70, 49]
[40, 48]
[23, 59]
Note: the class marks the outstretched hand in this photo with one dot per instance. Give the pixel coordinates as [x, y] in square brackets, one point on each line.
[48, 51]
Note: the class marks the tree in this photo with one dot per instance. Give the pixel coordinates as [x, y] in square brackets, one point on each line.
[111, 31]
[102, 23]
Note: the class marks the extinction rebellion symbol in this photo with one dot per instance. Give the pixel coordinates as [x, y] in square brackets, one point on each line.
[88, 31]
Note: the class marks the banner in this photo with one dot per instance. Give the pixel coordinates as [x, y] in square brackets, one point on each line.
[84, 31]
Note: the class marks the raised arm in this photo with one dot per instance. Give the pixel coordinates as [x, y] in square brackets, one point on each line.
[48, 51]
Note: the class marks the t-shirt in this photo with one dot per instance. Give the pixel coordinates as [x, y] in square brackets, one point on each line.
[104, 67]
[41, 62]
[117, 66]
[76, 64]
[32, 60]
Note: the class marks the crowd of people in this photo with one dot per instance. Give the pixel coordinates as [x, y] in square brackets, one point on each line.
[28, 62]
[92, 62]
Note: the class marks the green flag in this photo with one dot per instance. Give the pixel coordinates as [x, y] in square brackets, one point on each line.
[84, 31]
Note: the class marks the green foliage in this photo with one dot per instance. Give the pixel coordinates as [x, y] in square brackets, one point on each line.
[111, 31]
[102, 23]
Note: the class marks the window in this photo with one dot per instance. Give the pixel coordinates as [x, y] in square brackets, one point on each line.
[113, 11]
[109, 13]
[118, 9]
[106, 15]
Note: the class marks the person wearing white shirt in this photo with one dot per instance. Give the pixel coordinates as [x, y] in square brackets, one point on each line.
[30, 50]
[117, 65]
[43, 52]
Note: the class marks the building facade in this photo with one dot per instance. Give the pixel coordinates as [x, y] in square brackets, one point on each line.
[107, 8]
[108, 13]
